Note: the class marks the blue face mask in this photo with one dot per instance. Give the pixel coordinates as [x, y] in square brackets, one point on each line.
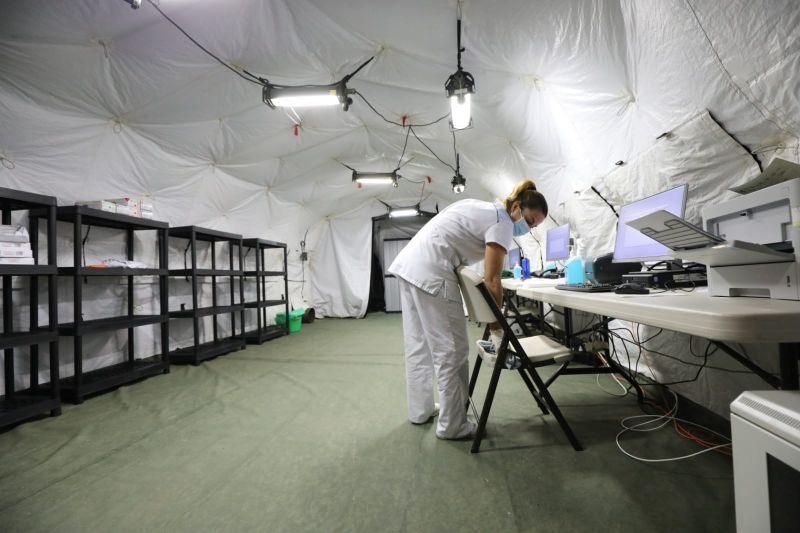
[521, 227]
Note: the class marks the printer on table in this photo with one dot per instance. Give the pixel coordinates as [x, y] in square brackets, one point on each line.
[750, 245]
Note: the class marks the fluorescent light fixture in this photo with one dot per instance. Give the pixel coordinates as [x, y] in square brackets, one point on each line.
[397, 212]
[310, 95]
[305, 96]
[375, 178]
[135, 4]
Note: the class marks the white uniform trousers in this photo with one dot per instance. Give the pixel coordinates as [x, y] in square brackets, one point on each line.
[436, 344]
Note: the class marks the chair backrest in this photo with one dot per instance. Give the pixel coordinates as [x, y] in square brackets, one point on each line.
[477, 306]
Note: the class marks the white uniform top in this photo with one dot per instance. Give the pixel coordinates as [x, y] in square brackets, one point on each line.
[456, 236]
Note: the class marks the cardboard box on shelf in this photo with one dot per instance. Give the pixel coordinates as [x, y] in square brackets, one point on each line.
[14, 246]
[16, 252]
[102, 205]
[139, 205]
[127, 210]
[16, 261]
[14, 234]
[131, 206]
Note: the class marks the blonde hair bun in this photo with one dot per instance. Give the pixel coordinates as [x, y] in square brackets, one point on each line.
[525, 192]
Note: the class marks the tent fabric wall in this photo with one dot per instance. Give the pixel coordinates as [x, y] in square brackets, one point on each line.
[98, 100]
[341, 266]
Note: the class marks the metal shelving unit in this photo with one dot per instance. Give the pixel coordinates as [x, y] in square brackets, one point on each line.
[81, 384]
[37, 399]
[264, 332]
[199, 352]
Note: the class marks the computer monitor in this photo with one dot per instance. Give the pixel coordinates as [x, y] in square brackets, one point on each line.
[513, 258]
[557, 243]
[631, 245]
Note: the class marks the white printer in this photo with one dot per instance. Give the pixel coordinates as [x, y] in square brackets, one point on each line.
[770, 216]
[750, 244]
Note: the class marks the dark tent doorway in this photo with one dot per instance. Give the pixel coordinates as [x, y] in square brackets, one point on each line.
[389, 236]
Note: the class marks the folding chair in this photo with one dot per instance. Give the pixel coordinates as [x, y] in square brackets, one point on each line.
[530, 353]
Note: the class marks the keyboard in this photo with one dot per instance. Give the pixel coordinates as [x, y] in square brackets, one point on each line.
[586, 287]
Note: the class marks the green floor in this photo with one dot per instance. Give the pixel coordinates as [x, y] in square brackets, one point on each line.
[308, 433]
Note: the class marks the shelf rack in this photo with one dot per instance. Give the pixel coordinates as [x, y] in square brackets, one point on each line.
[16, 406]
[199, 352]
[82, 384]
[264, 332]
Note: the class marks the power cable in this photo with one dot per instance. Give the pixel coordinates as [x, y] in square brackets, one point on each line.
[414, 133]
[655, 422]
[606, 201]
[256, 80]
[253, 79]
[408, 125]
[403, 153]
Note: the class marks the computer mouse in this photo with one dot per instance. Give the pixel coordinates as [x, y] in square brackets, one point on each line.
[632, 288]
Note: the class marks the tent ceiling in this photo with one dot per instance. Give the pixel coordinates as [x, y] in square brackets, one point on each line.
[117, 101]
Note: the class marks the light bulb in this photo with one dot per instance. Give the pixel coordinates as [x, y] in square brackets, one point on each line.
[460, 110]
[459, 188]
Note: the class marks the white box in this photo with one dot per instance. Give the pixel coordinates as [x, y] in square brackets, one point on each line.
[127, 210]
[16, 252]
[13, 234]
[16, 261]
[14, 246]
[102, 205]
[128, 202]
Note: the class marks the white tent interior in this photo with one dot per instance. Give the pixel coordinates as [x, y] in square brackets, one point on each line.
[101, 101]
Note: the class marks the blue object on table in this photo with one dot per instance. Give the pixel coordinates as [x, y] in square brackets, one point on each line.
[588, 269]
[517, 271]
[526, 268]
[574, 271]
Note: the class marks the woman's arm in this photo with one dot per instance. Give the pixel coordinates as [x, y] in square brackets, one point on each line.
[493, 269]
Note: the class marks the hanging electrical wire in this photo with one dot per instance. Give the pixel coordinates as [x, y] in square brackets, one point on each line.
[389, 121]
[414, 133]
[300, 95]
[403, 152]
[249, 77]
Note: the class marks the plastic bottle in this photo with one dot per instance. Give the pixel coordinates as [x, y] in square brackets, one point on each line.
[574, 271]
[517, 271]
[526, 268]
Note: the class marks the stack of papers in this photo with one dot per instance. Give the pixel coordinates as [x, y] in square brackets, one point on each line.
[15, 246]
[131, 206]
[118, 263]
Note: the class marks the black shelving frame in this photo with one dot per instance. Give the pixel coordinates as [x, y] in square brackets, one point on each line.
[82, 384]
[200, 352]
[263, 331]
[16, 406]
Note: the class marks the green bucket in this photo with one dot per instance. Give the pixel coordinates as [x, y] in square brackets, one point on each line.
[295, 320]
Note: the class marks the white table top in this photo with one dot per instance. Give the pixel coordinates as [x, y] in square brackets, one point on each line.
[696, 313]
[530, 283]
